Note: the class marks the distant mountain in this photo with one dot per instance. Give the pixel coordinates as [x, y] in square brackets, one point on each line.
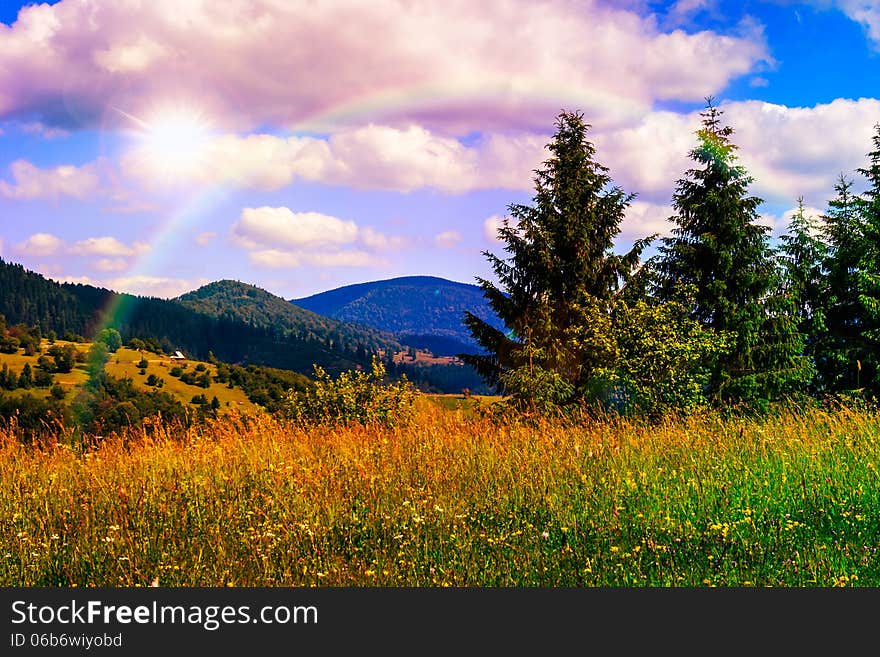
[235, 300]
[422, 311]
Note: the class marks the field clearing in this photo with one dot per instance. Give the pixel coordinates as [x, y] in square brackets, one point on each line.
[453, 401]
[123, 364]
[453, 500]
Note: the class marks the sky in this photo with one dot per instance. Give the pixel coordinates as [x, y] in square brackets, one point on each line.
[154, 146]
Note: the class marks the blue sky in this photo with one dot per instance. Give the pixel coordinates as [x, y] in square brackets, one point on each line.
[153, 147]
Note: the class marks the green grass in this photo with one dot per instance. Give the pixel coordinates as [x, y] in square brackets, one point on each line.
[453, 499]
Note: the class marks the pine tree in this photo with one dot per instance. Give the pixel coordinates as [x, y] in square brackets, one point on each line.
[804, 286]
[851, 347]
[718, 247]
[26, 378]
[561, 277]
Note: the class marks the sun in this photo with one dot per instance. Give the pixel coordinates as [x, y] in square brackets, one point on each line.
[172, 143]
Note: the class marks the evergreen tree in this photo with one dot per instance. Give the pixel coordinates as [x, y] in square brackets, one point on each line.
[718, 247]
[560, 281]
[851, 347]
[802, 256]
[26, 378]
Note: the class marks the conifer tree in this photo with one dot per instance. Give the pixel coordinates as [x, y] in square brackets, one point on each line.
[718, 247]
[560, 279]
[802, 255]
[851, 347]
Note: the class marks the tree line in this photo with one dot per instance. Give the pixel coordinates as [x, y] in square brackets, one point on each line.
[718, 316]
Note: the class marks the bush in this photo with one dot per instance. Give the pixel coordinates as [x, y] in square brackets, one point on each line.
[353, 397]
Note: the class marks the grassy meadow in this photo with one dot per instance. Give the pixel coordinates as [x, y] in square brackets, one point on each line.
[454, 499]
[123, 364]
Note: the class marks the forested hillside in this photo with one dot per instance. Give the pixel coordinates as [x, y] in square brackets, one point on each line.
[81, 310]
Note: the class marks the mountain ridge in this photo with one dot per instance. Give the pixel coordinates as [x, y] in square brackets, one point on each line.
[415, 309]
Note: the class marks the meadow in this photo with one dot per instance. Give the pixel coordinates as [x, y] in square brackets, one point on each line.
[123, 363]
[453, 499]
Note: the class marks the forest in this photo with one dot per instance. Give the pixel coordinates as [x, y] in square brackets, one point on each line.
[721, 316]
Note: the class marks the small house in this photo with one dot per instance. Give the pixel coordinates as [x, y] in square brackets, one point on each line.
[177, 356]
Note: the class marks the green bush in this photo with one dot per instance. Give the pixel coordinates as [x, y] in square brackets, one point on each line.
[353, 397]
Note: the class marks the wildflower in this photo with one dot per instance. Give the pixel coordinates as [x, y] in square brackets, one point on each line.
[545, 534]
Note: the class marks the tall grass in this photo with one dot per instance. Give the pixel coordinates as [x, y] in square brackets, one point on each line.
[452, 500]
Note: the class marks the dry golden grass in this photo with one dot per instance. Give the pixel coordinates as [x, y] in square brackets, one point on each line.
[453, 499]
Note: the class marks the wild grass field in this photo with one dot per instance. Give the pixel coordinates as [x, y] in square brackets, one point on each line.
[454, 499]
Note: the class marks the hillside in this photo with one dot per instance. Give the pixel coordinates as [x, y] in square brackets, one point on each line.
[29, 298]
[422, 311]
[242, 302]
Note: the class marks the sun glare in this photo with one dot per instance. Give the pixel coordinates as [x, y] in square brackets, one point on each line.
[173, 143]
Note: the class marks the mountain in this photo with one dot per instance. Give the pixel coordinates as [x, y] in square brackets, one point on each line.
[27, 297]
[421, 311]
[235, 300]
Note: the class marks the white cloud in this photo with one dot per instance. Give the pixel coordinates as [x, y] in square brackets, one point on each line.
[800, 151]
[867, 14]
[110, 264]
[81, 280]
[643, 219]
[274, 227]
[491, 226]
[40, 244]
[31, 182]
[368, 157]
[447, 239]
[108, 246]
[454, 66]
[154, 286]
[378, 241]
[133, 57]
[280, 259]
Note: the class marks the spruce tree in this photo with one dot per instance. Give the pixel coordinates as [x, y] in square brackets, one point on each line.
[560, 279]
[719, 249]
[851, 347]
[804, 285]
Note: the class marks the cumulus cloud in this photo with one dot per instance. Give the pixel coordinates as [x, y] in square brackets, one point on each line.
[373, 239]
[367, 157]
[31, 182]
[491, 226]
[40, 244]
[280, 238]
[443, 65]
[800, 151]
[273, 227]
[447, 239]
[867, 14]
[108, 246]
[643, 219]
[280, 259]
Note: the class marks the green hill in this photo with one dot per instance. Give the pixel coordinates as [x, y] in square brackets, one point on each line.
[29, 298]
[253, 305]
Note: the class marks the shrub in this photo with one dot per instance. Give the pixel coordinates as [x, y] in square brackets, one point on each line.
[353, 397]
